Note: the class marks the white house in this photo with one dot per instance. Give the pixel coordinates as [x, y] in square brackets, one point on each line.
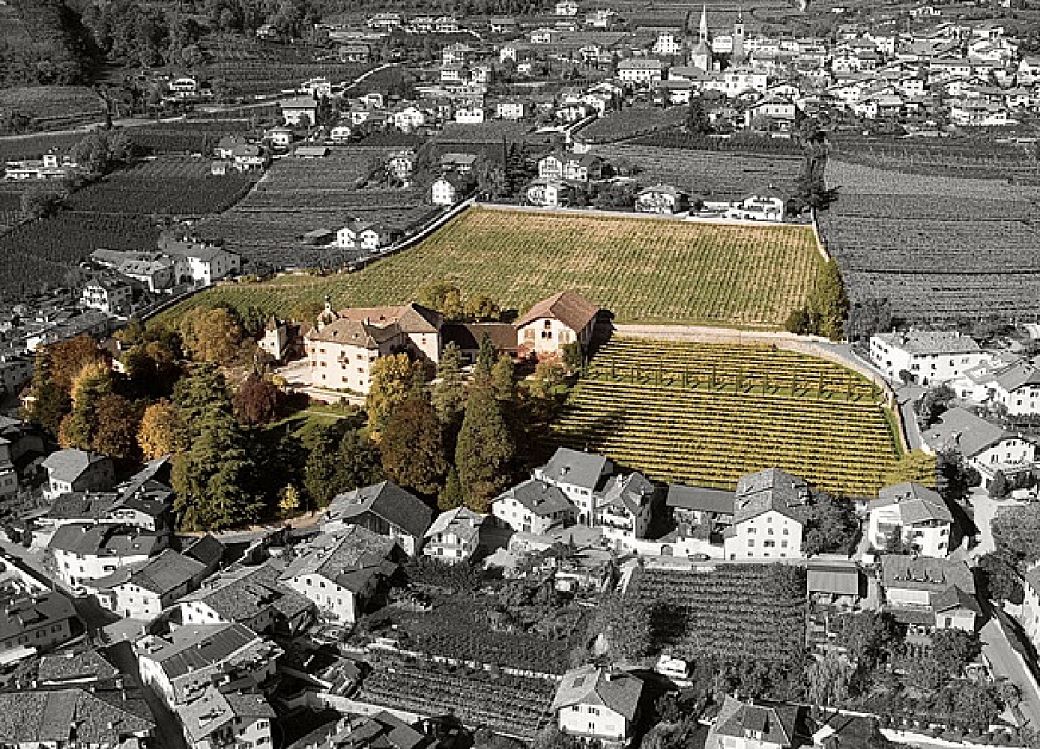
[454, 535]
[299, 110]
[624, 508]
[930, 357]
[640, 70]
[580, 476]
[219, 720]
[84, 552]
[661, 198]
[108, 295]
[912, 515]
[1030, 617]
[596, 704]
[446, 190]
[359, 235]
[74, 470]
[938, 592]
[533, 507]
[768, 517]
[383, 508]
[143, 590]
[199, 262]
[986, 447]
[1017, 388]
[562, 319]
[548, 193]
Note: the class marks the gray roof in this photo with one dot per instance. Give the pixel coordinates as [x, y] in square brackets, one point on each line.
[71, 463]
[700, 499]
[775, 722]
[771, 489]
[241, 593]
[461, 521]
[931, 342]
[385, 500]
[916, 503]
[66, 716]
[1018, 375]
[193, 647]
[85, 664]
[589, 685]
[576, 467]
[630, 492]
[30, 612]
[351, 558]
[837, 576]
[103, 539]
[925, 573]
[81, 506]
[959, 428]
[538, 497]
[161, 574]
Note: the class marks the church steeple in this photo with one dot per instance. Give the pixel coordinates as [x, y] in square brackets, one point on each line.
[738, 36]
[704, 24]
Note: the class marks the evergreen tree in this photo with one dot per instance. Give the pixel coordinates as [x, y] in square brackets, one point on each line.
[319, 473]
[828, 302]
[502, 382]
[412, 447]
[449, 393]
[450, 495]
[79, 428]
[485, 361]
[486, 449]
[358, 462]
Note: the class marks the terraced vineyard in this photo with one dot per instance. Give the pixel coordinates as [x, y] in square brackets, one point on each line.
[704, 414]
[642, 270]
[939, 249]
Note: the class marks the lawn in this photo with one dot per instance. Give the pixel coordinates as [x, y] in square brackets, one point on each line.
[643, 270]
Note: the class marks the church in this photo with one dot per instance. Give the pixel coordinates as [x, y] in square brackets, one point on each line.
[706, 56]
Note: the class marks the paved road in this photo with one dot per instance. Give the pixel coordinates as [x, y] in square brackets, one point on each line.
[1006, 662]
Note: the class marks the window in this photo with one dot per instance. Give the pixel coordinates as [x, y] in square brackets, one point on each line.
[750, 542]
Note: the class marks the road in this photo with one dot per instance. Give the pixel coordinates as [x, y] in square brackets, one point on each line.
[1006, 662]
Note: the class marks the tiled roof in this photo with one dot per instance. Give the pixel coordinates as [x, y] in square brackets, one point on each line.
[569, 307]
[915, 503]
[69, 464]
[775, 723]
[19, 615]
[86, 664]
[193, 647]
[161, 574]
[240, 594]
[771, 489]
[700, 499]
[925, 573]
[461, 521]
[103, 539]
[931, 342]
[538, 497]
[65, 716]
[971, 434]
[350, 558]
[575, 467]
[467, 336]
[385, 500]
[589, 685]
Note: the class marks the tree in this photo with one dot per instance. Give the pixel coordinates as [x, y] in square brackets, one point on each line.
[828, 303]
[118, 422]
[502, 382]
[950, 652]
[934, 404]
[161, 431]
[832, 526]
[573, 357]
[999, 578]
[450, 495]
[255, 401]
[393, 378]
[102, 151]
[868, 637]
[153, 368]
[289, 504]
[486, 357]
[319, 473]
[829, 679]
[48, 402]
[359, 462]
[213, 335]
[955, 477]
[999, 487]
[481, 307]
[40, 201]
[412, 447]
[449, 392]
[697, 120]
[443, 296]
[68, 357]
[486, 450]
[1016, 531]
[79, 428]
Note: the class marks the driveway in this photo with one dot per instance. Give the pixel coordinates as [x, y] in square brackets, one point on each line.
[1006, 662]
[985, 509]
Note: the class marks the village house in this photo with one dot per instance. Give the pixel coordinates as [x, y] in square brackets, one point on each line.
[227, 720]
[447, 190]
[598, 704]
[199, 262]
[768, 517]
[180, 666]
[661, 198]
[33, 621]
[929, 593]
[342, 572]
[533, 506]
[108, 295]
[454, 536]
[301, 111]
[75, 470]
[549, 193]
[640, 71]
[985, 446]
[145, 589]
[70, 717]
[756, 725]
[385, 509]
[928, 357]
[580, 476]
[84, 552]
[912, 516]
[551, 324]
[360, 235]
[624, 509]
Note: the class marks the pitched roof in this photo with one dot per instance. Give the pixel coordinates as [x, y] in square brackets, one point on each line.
[207, 550]
[467, 336]
[589, 685]
[18, 615]
[774, 722]
[700, 499]
[103, 540]
[193, 647]
[925, 573]
[385, 500]
[461, 521]
[409, 318]
[350, 558]
[914, 502]
[241, 593]
[1018, 375]
[835, 576]
[629, 493]
[538, 497]
[64, 716]
[354, 333]
[931, 342]
[161, 574]
[81, 506]
[575, 467]
[569, 307]
[968, 432]
[771, 489]
[85, 664]
[71, 463]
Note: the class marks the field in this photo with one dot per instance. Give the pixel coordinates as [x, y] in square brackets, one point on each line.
[940, 249]
[709, 174]
[513, 705]
[54, 106]
[735, 613]
[299, 195]
[245, 68]
[176, 186]
[643, 270]
[631, 123]
[705, 414]
[34, 146]
[971, 158]
[187, 137]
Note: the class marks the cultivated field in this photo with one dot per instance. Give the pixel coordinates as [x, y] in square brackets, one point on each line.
[709, 174]
[704, 414]
[643, 270]
[939, 249]
[53, 105]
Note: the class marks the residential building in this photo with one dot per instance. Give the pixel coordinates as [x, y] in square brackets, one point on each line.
[110, 296]
[383, 730]
[597, 704]
[454, 536]
[342, 572]
[580, 476]
[640, 71]
[768, 517]
[446, 190]
[276, 339]
[661, 198]
[985, 446]
[75, 470]
[180, 666]
[145, 589]
[360, 235]
[84, 552]
[533, 506]
[912, 516]
[549, 193]
[199, 262]
[1030, 617]
[1017, 388]
[385, 509]
[231, 720]
[300, 110]
[695, 507]
[33, 622]
[66, 718]
[929, 593]
[562, 319]
[928, 357]
[756, 725]
[624, 509]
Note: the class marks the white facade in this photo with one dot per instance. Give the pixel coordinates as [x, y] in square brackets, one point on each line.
[931, 358]
[443, 192]
[930, 538]
[333, 600]
[771, 535]
[110, 298]
[75, 569]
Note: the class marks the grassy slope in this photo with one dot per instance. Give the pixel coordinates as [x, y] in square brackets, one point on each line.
[643, 270]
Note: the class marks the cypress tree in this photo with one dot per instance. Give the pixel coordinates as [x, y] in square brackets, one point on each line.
[486, 449]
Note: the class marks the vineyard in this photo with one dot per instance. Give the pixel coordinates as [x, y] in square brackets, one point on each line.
[939, 249]
[243, 68]
[640, 269]
[512, 705]
[975, 158]
[631, 123]
[735, 613]
[299, 195]
[54, 106]
[705, 414]
[712, 175]
[34, 146]
[42, 253]
[175, 186]
[186, 137]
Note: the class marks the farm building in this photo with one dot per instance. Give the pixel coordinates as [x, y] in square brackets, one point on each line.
[555, 322]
